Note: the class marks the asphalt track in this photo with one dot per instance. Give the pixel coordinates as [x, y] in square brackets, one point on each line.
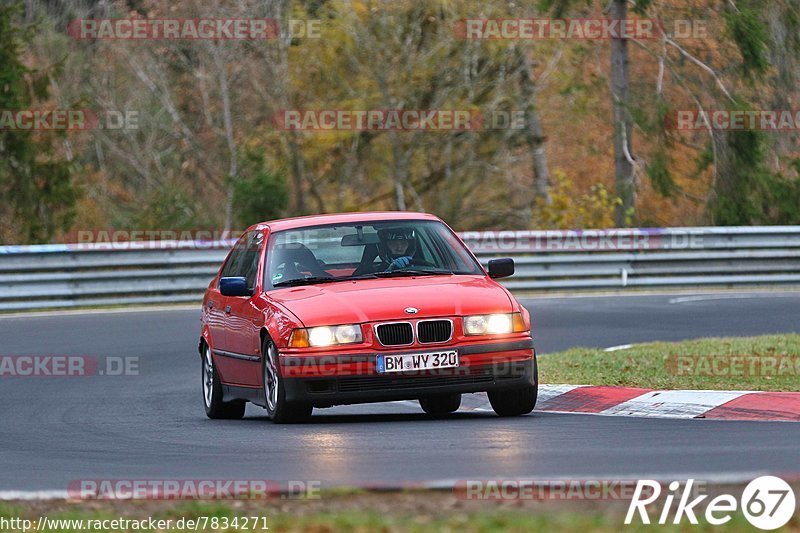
[152, 425]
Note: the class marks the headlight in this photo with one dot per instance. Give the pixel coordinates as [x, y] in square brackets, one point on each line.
[326, 336]
[495, 324]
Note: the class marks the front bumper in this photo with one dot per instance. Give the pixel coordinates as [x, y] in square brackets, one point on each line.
[324, 381]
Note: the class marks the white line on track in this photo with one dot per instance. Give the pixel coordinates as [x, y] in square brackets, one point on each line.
[69, 312]
[617, 348]
[788, 291]
[6, 495]
[709, 297]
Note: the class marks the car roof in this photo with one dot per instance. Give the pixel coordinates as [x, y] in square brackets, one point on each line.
[340, 218]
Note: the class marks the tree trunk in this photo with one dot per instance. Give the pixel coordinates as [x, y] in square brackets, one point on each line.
[399, 172]
[533, 129]
[233, 168]
[281, 96]
[623, 158]
[298, 203]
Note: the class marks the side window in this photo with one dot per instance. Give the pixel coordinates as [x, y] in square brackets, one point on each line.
[233, 264]
[243, 260]
[249, 262]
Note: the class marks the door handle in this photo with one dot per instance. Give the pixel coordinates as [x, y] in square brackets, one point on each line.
[228, 309]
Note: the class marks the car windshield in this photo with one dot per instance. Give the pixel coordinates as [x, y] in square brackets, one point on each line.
[325, 254]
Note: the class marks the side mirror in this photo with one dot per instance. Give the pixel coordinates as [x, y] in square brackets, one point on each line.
[234, 286]
[501, 268]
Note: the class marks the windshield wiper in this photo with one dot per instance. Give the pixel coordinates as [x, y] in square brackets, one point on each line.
[304, 281]
[393, 273]
[360, 276]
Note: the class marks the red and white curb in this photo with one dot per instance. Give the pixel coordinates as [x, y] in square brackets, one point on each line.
[649, 403]
[630, 401]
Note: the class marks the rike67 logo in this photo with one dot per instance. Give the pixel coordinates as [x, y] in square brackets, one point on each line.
[767, 502]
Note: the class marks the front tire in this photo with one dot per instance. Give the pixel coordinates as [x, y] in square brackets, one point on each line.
[279, 410]
[441, 405]
[212, 392]
[514, 402]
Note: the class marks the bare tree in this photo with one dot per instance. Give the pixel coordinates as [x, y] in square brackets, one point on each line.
[533, 127]
[624, 162]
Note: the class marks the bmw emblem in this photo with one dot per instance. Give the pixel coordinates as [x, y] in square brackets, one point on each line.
[412, 310]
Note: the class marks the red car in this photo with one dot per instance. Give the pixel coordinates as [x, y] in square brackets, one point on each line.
[361, 307]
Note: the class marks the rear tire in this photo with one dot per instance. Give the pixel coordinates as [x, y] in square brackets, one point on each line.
[441, 405]
[212, 392]
[514, 402]
[279, 410]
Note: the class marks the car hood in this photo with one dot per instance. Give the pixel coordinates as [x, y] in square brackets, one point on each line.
[373, 300]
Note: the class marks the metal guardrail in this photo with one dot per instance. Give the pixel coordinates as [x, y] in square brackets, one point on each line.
[64, 275]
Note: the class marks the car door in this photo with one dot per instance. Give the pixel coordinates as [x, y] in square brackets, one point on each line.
[219, 314]
[215, 302]
[215, 318]
[245, 317]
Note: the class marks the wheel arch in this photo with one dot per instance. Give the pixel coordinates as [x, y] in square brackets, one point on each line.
[205, 340]
[264, 334]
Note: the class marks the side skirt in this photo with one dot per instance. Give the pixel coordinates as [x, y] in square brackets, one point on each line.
[251, 394]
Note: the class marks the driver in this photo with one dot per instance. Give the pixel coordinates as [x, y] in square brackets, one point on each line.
[397, 247]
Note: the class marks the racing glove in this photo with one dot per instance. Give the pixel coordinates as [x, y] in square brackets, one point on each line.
[400, 262]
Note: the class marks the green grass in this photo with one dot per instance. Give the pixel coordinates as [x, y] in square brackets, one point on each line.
[488, 522]
[684, 365]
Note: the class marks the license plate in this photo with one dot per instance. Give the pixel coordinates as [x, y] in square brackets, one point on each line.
[417, 361]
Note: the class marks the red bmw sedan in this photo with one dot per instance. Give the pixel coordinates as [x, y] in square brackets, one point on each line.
[318, 311]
